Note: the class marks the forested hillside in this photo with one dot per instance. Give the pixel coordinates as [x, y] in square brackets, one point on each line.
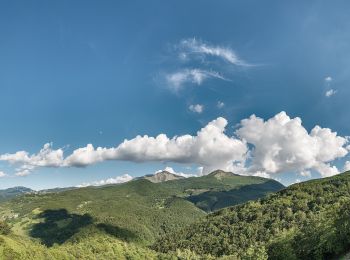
[137, 212]
[308, 220]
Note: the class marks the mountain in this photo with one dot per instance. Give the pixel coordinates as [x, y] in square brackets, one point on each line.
[309, 220]
[221, 189]
[13, 192]
[162, 177]
[139, 211]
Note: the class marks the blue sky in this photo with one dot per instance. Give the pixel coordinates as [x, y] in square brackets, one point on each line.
[99, 72]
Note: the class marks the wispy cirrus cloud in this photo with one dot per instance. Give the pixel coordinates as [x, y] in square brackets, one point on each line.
[178, 79]
[200, 61]
[193, 47]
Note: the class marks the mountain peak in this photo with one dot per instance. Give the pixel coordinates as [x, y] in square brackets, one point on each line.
[221, 173]
[162, 177]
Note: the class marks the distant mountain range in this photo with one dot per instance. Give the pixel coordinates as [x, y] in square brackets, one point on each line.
[218, 216]
[13, 192]
[137, 212]
[147, 206]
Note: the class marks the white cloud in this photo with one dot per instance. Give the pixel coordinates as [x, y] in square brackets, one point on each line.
[211, 148]
[196, 108]
[220, 104]
[261, 174]
[282, 144]
[22, 173]
[178, 79]
[47, 157]
[119, 179]
[2, 174]
[198, 48]
[328, 79]
[305, 173]
[346, 166]
[330, 92]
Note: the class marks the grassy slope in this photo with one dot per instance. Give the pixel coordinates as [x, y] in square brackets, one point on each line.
[138, 210]
[309, 220]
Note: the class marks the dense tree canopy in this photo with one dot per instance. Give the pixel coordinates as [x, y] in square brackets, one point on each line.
[307, 220]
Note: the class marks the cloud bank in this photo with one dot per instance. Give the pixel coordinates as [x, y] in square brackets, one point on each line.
[279, 144]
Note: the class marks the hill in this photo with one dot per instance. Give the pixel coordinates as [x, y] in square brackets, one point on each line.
[221, 189]
[139, 211]
[309, 220]
[13, 192]
[162, 177]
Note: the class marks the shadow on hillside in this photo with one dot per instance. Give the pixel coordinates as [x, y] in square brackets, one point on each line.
[214, 200]
[117, 232]
[58, 226]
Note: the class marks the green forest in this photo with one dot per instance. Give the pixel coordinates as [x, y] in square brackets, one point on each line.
[217, 216]
[309, 220]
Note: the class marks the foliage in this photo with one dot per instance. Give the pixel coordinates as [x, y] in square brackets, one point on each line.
[309, 220]
[118, 221]
[4, 228]
[138, 211]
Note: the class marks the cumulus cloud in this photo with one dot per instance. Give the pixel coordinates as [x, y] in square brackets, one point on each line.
[346, 166]
[211, 148]
[282, 144]
[196, 108]
[261, 174]
[328, 79]
[305, 173]
[46, 157]
[330, 92]
[119, 179]
[194, 47]
[177, 80]
[220, 104]
[25, 172]
[2, 174]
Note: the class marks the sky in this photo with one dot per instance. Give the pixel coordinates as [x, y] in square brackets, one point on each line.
[95, 92]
